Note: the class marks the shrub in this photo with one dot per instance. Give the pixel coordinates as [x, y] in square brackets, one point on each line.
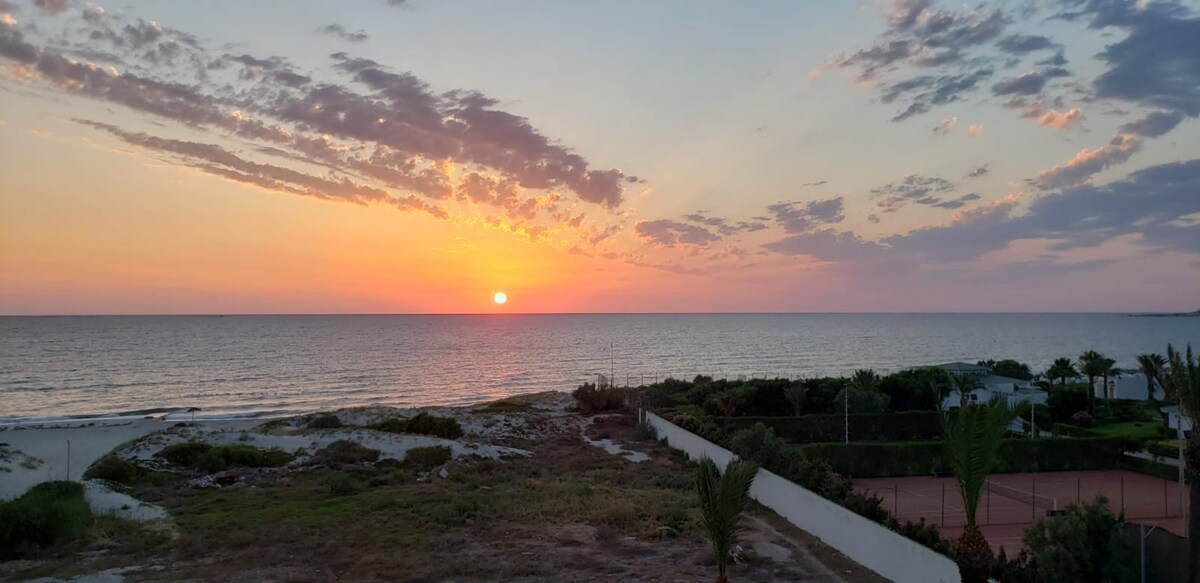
[1085, 543]
[113, 468]
[861, 401]
[48, 514]
[207, 458]
[344, 451]
[324, 421]
[186, 455]
[427, 458]
[1081, 418]
[345, 485]
[758, 444]
[592, 399]
[926, 534]
[423, 424]
[907, 426]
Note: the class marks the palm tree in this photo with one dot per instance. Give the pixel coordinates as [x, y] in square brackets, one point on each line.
[722, 499]
[937, 389]
[973, 437]
[796, 393]
[1108, 366]
[1062, 369]
[864, 380]
[1181, 382]
[1151, 366]
[964, 384]
[1091, 364]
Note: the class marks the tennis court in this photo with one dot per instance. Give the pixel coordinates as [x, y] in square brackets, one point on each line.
[1012, 502]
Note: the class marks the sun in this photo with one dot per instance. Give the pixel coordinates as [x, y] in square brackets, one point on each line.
[500, 298]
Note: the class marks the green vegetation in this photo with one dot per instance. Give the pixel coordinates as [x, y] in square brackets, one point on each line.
[1008, 368]
[324, 421]
[426, 458]
[422, 424]
[907, 426]
[590, 399]
[51, 513]
[1181, 384]
[504, 406]
[723, 497]
[344, 452]
[208, 458]
[1085, 543]
[973, 441]
[114, 468]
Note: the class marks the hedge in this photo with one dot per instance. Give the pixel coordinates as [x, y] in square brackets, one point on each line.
[1150, 468]
[906, 426]
[878, 460]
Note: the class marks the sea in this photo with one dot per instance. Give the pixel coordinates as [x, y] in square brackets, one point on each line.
[246, 366]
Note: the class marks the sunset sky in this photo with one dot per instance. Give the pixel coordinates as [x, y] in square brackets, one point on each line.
[418, 156]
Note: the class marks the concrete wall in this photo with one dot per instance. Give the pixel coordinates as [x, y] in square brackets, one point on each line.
[871, 545]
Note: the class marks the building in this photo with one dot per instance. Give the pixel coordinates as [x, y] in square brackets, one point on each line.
[1014, 391]
[1176, 421]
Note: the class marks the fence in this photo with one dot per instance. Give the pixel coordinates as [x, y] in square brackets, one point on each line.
[625, 379]
[871, 545]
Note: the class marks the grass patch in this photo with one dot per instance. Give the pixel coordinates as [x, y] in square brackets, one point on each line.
[324, 421]
[114, 468]
[422, 424]
[207, 458]
[51, 513]
[504, 406]
[1136, 430]
[344, 451]
[426, 458]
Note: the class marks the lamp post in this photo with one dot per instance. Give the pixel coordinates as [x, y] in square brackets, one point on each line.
[846, 411]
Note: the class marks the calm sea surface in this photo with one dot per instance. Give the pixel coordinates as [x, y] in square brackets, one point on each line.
[246, 365]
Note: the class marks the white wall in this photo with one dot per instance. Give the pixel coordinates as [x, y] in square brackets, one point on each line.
[871, 545]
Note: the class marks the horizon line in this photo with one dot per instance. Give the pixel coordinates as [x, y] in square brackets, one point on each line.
[717, 313]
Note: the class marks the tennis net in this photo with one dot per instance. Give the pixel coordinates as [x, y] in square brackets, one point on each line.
[1035, 500]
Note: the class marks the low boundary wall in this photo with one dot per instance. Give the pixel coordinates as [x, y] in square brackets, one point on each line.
[866, 542]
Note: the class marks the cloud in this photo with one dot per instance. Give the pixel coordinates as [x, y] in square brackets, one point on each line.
[946, 125]
[1086, 162]
[1061, 120]
[389, 126]
[980, 171]
[915, 188]
[1021, 44]
[51, 6]
[826, 245]
[668, 233]
[926, 91]
[1030, 83]
[724, 226]
[797, 217]
[1158, 63]
[341, 32]
[406, 4]
[1156, 123]
[975, 129]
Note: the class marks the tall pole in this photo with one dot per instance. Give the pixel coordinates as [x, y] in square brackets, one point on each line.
[612, 364]
[846, 411]
[68, 459]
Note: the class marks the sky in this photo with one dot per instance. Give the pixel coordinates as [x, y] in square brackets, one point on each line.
[417, 156]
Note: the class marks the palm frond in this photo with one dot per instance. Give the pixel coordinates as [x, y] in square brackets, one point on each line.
[723, 497]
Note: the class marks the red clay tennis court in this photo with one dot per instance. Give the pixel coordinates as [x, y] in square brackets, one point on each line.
[1011, 502]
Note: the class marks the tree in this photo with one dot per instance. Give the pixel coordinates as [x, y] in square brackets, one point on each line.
[1008, 368]
[1107, 367]
[1151, 366]
[796, 394]
[973, 437]
[1084, 543]
[1062, 369]
[1091, 364]
[1182, 383]
[865, 380]
[964, 384]
[722, 499]
[937, 389]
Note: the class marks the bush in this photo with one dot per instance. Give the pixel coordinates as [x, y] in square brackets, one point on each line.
[423, 424]
[50, 513]
[113, 468]
[426, 458]
[758, 444]
[345, 485]
[861, 401]
[207, 458]
[1085, 543]
[908, 426]
[324, 422]
[592, 399]
[344, 451]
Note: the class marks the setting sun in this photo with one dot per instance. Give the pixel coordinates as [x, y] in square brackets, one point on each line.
[500, 298]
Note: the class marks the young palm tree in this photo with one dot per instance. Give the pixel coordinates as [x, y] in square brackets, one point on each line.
[1062, 369]
[722, 499]
[937, 389]
[973, 437]
[964, 384]
[1108, 367]
[1091, 364]
[864, 380]
[1151, 366]
[796, 393]
[1181, 382]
